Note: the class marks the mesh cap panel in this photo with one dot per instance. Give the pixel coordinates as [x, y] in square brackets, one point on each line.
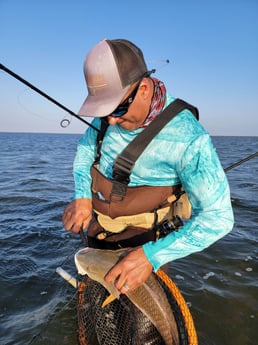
[129, 60]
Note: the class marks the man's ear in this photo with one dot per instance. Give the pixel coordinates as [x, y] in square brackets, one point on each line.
[146, 88]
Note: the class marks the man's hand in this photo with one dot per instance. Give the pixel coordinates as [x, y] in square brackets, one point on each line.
[77, 215]
[132, 271]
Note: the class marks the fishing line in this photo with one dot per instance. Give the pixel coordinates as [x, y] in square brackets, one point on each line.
[39, 335]
[83, 238]
[84, 241]
[16, 76]
[51, 319]
[64, 123]
[163, 63]
[24, 107]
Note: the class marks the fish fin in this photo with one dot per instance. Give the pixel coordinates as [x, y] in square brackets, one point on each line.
[108, 300]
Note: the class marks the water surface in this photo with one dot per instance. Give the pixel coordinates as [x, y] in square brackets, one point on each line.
[38, 307]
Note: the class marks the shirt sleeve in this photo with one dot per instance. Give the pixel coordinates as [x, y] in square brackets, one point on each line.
[205, 182]
[85, 155]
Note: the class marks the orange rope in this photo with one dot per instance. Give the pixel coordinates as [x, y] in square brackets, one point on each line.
[81, 301]
[189, 324]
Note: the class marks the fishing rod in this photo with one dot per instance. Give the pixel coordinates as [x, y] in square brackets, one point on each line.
[241, 161]
[16, 76]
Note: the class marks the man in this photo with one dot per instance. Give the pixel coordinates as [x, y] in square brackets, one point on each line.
[122, 92]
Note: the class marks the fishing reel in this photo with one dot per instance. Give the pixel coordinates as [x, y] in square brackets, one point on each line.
[169, 225]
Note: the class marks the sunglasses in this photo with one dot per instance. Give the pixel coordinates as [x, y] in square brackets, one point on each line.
[123, 107]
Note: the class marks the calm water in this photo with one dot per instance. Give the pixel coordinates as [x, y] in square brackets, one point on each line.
[38, 307]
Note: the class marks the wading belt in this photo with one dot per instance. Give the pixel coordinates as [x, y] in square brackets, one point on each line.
[125, 162]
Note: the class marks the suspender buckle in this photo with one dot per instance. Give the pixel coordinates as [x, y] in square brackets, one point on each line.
[122, 169]
[118, 191]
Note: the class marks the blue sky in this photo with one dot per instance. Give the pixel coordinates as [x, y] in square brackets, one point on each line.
[212, 47]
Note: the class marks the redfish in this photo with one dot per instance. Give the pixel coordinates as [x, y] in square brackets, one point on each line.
[149, 297]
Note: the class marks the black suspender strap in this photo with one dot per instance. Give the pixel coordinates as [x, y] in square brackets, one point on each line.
[124, 163]
[100, 136]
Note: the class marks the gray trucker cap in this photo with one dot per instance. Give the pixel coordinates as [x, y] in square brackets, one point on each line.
[110, 68]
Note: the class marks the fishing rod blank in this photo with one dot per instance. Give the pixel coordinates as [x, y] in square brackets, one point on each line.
[241, 161]
[16, 76]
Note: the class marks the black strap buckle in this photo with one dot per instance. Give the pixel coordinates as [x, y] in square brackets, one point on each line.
[118, 191]
[123, 167]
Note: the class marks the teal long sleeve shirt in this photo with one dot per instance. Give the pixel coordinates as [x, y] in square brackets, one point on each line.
[181, 153]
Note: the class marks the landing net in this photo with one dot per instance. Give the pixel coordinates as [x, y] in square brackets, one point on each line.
[121, 323]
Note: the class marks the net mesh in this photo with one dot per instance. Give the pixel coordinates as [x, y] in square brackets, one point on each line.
[120, 322]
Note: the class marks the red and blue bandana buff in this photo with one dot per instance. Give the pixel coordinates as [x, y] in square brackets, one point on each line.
[157, 102]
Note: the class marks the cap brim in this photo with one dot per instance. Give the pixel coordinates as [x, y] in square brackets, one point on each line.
[95, 106]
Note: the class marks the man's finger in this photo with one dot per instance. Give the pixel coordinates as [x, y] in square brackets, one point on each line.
[113, 274]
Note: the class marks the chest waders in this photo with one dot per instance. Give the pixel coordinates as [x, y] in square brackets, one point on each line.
[120, 322]
[114, 198]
